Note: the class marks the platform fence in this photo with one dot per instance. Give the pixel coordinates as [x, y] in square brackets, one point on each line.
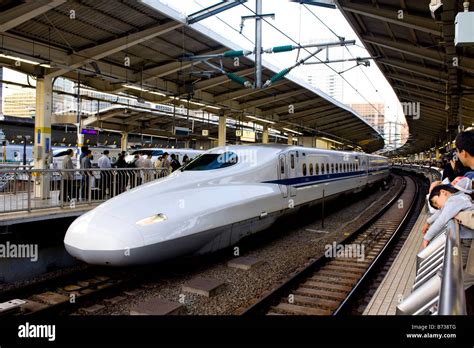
[442, 276]
[23, 188]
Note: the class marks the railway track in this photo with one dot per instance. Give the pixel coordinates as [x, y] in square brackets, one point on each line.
[68, 293]
[326, 285]
[89, 286]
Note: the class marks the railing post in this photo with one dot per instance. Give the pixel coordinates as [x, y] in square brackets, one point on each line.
[89, 187]
[28, 195]
[62, 194]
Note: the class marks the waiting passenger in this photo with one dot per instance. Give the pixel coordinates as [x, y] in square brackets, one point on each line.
[166, 165]
[68, 176]
[175, 165]
[147, 165]
[158, 162]
[450, 200]
[86, 164]
[105, 175]
[186, 160]
[84, 150]
[121, 178]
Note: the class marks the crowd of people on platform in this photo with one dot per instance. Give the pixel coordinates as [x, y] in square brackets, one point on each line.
[162, 166]
[452, 196]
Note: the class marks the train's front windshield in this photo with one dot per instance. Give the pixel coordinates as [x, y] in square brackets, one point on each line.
[212, 161]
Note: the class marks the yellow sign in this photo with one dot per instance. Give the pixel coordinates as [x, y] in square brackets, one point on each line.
[248, 135]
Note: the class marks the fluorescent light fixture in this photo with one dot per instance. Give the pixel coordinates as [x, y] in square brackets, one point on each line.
[332, 141]
[45, 65]
[213, 107]
[19, 59]
[260, 119]
[135, 88]
[157, 93]
[197, 103]
[274, 130]
[292, 131]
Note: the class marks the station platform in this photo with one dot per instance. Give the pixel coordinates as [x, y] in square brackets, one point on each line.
[20, 217]
[397, 283]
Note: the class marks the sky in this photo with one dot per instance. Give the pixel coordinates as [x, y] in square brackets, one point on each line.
[367, 84]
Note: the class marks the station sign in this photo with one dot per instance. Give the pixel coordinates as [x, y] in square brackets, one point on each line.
[247, 135]
[89, 131]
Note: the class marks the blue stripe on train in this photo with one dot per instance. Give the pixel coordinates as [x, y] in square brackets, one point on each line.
[318, 179]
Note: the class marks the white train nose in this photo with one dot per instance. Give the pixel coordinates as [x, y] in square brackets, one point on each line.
[101, 239]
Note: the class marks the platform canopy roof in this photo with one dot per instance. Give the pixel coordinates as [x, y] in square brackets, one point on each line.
[417, 55]
[91, 40]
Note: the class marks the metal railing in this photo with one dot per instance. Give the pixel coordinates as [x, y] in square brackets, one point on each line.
[439, 283]
[452, 297]
[28, 189]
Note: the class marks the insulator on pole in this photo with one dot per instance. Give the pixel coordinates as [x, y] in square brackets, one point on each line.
[276, 77]
[233, 54]
[238, 79]
[279, 49]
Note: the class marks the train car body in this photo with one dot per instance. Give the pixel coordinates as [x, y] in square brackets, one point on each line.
[222, 196]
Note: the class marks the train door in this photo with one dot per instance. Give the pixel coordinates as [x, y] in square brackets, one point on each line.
[291, 160]
[283, 174]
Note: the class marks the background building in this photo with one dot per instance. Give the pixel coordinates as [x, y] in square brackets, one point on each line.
[374, 114]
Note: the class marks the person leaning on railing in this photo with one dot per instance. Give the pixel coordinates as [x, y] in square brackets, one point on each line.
[450, 199]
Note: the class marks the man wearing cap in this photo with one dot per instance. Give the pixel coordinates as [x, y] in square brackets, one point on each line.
[450, 199]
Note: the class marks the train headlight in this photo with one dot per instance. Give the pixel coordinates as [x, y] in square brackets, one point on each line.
[152, 219]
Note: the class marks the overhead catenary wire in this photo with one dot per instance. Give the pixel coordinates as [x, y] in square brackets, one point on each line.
[294, 41]
[348, 50]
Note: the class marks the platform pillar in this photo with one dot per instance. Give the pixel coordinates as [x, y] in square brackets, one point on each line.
[42, 142]
[222, 130]
[290, 139]
[124, 141]
[265, 135]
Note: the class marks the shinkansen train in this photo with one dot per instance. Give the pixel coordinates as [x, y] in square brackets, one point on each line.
[220, 197]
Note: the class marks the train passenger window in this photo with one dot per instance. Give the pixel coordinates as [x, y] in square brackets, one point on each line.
[340, 167]
[311, 169]
[292, 161]
[212, 161]
[282, 166]
[304, 169]
[327, 168]
[332, 167]
[322, 168]
[317, 169]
